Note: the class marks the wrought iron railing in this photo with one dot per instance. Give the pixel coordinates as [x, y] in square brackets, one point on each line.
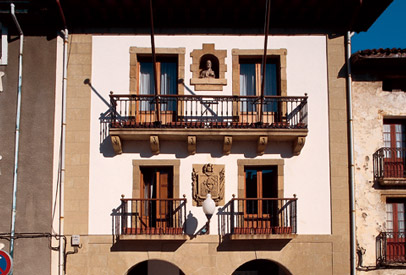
[193, 111]
[389, 163]
[390, 248]
[150, 217]
[259, 216]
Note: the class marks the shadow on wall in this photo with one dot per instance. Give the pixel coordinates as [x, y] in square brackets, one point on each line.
[106, 148]
[190, 225]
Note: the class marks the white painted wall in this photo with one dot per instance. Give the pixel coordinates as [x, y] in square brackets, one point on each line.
[306, 175]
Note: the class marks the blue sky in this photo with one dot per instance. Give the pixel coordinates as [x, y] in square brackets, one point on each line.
[388, 31]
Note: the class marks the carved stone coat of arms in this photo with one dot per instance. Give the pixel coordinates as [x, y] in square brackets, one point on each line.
[208, 178]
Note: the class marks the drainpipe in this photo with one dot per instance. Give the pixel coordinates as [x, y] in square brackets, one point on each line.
[61, 261]
[17, 133]
[351, 150]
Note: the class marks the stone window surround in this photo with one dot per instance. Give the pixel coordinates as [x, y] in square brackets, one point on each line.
[258, 53]
[392, 194]
[242, 163]
[135, 51]
[137, 164]
[208, 84]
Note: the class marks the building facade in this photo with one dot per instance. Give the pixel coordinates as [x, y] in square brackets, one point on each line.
[156, 122]
[379, 140]
[27, 182]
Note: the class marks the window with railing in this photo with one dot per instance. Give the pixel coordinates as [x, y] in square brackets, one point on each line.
[390, 160]
[260, 210]
[259, 216]
[391, 245]
[150, 217]
[156, 208]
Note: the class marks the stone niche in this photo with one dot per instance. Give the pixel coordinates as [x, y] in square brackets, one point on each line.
[213, 82]
[208, 178]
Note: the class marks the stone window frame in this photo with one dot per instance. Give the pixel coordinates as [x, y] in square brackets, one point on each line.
[137, 164]
[134, 69]
[242, 163]
[392, 194]
[258, 53]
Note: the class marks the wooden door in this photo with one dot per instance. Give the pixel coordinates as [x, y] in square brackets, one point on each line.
[148, 109]
[250, 85]
[164, 207]
[157, 192]
[260, 214]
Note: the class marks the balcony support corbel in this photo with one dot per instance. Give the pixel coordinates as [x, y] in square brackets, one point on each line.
[228, 142]
[191, 145]
[261, 145]
[116, 142]
[154, 144]
[298, 145]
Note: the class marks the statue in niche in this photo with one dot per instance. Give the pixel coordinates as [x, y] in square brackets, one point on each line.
[208, 72]
[206, 179]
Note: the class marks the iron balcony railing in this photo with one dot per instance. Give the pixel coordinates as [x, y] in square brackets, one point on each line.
[389, 163]
[150, 217]
[259, 216]
[192, 111]
[390, 248]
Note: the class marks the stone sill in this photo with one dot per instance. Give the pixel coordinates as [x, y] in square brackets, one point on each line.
[392, 182]
[208, 81]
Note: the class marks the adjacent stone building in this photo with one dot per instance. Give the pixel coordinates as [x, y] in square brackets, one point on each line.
[379, 86]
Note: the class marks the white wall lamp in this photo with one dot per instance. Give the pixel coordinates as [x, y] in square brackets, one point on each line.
[209, 206]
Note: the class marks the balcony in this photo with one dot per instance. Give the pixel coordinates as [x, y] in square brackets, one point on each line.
[223, 118]
[247, 219]
[389, 164]
[150, 219]
[390, 249]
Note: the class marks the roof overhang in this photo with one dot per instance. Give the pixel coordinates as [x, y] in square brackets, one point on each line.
[197, 17]
[380, 63]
